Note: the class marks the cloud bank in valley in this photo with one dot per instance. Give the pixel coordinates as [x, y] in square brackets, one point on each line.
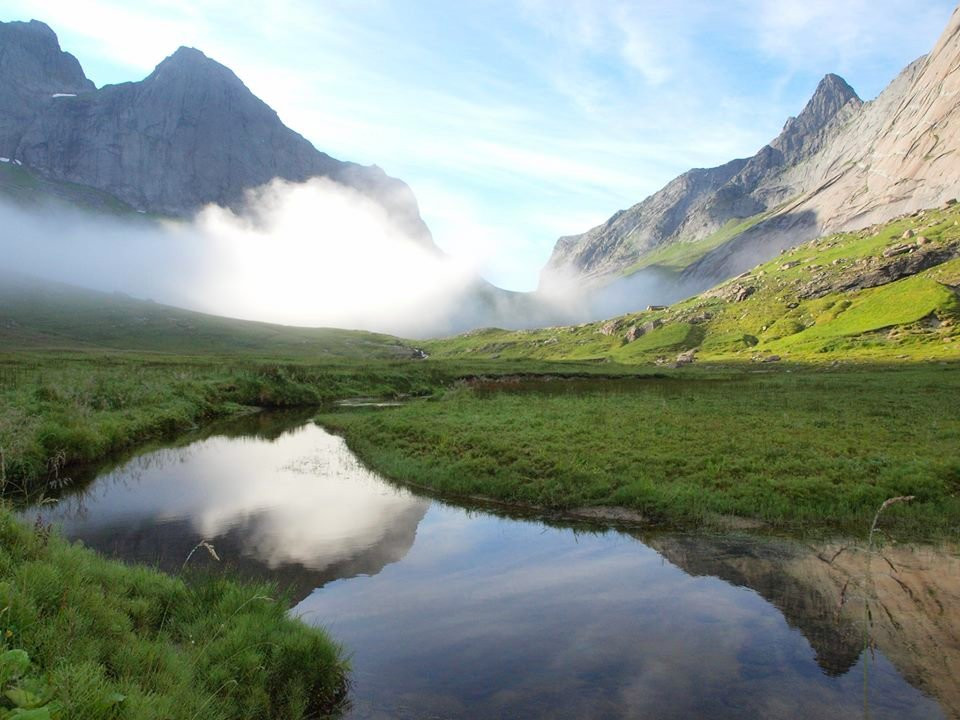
[312, 254]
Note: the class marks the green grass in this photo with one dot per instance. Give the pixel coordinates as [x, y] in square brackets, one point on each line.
[23, 187]
[106, 640]
[794, 450]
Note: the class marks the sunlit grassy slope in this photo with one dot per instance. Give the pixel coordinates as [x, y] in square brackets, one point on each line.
[679, 255]
[38, 315]
[797, 309]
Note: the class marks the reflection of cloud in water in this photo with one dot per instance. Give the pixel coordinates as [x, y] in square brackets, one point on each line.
[301, 499]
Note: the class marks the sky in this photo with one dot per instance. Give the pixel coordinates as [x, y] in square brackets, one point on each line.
[515, 121]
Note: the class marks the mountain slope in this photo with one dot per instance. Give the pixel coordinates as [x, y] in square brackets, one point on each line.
[37, 314]
[841, 164]
[189, 134]
[889, 292]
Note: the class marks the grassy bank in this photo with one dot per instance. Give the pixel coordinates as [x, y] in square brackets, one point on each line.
[792, 450]
[88, 638]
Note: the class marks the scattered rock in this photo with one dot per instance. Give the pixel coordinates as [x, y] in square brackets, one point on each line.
[951, 202]
[609, 328]
[633, 333]
[770, 359]
[685, 358]
[793, 305]
[907, 234]
[651, 325]
[898, 249]
[791, 264]
[743, 293]
[923, 240]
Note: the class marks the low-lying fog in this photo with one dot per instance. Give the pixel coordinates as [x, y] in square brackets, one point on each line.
[310, 254]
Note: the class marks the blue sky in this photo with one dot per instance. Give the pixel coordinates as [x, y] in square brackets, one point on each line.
[516, 121]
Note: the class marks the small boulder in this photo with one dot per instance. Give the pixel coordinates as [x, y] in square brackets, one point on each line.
[950, 203]
[651, 325]
[907, 234]
[791, 264]
[771, 358]
[608, 328]
[743, 293]
[923, 240]
[633, 333]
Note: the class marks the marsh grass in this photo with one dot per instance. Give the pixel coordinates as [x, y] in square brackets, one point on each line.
[812, 451]
[115, 641]
[862, 588]
[57, 410]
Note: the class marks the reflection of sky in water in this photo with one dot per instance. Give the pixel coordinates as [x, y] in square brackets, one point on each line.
[448, 613]
[492, 618]
[302, 498]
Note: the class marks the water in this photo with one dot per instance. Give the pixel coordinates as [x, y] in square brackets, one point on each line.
[455, 613]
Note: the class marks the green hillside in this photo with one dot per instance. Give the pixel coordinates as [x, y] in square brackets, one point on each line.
[39, 315]
[888, 292]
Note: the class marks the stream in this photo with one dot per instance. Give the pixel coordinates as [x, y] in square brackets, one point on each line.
[452, 612]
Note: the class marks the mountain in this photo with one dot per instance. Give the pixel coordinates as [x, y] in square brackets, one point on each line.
[189, 134]
[841, 164]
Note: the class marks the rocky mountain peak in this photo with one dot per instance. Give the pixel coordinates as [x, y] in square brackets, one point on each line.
[831, 96]
[31, 58]
[191, 67]
[33, 69]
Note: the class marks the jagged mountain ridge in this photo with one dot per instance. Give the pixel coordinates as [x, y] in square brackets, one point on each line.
[189, 134]
[841, 164]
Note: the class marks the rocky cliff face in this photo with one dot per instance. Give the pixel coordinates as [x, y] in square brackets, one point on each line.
[189, 134]
[841, 164]
[32, 70]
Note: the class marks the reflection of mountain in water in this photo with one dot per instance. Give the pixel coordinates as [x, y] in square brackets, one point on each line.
[292, 506]
[912, 592]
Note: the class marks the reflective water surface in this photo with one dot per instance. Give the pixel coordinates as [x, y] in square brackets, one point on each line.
[454, 613]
